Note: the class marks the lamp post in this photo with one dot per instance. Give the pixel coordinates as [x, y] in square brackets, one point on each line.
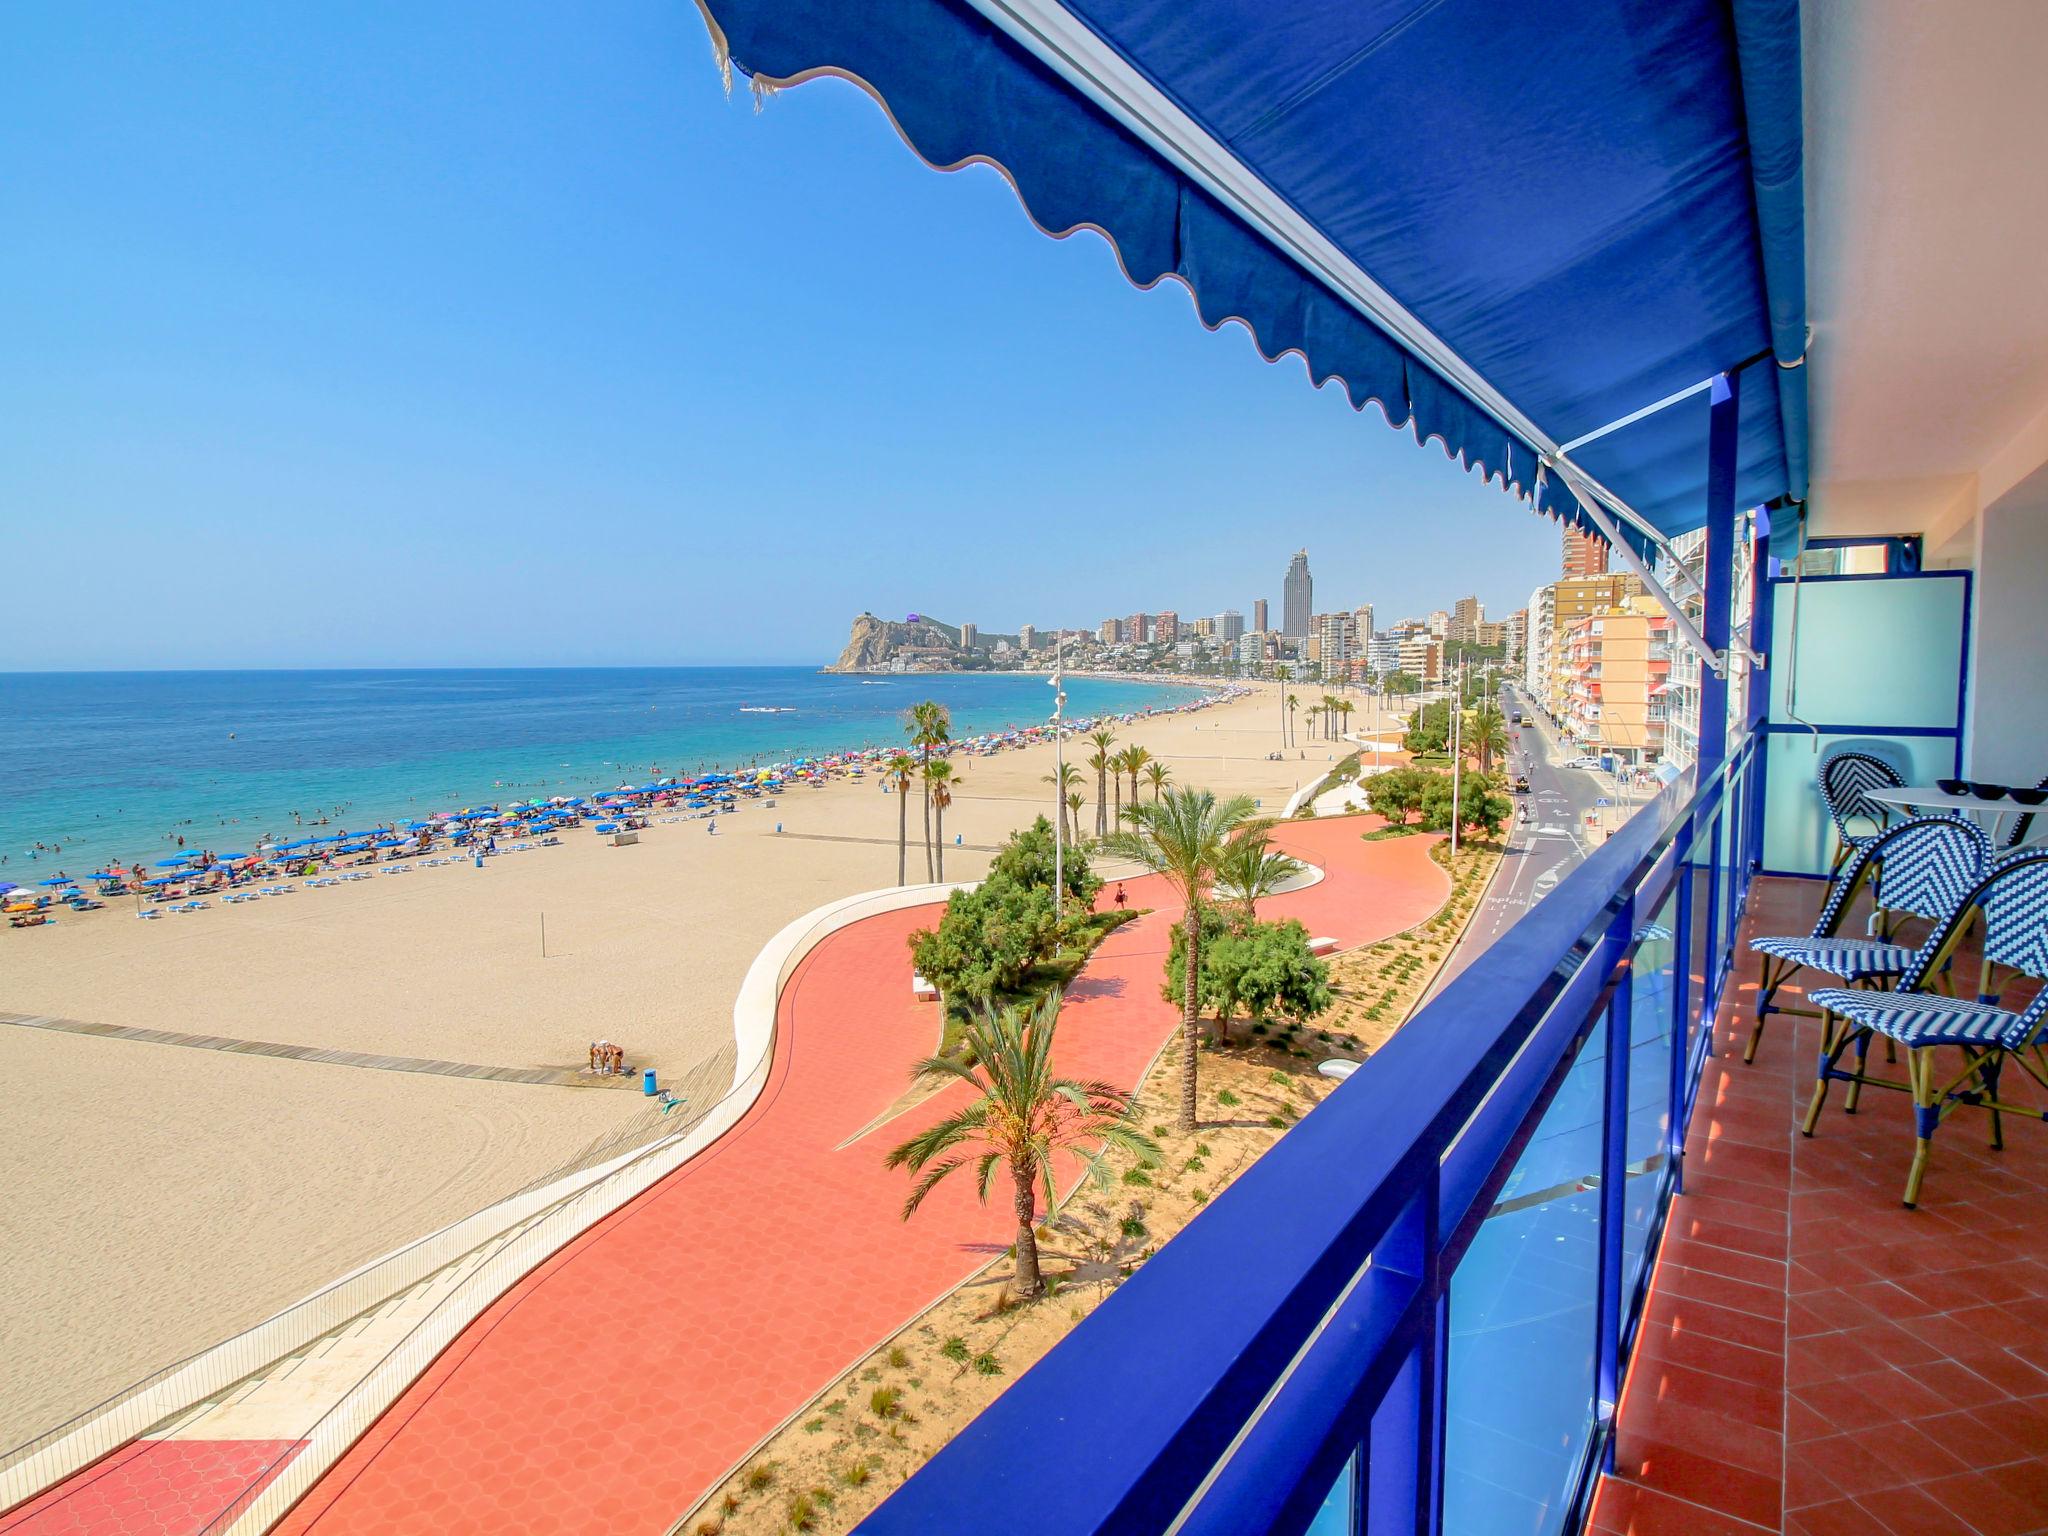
[1457, 735]
[1059, 774]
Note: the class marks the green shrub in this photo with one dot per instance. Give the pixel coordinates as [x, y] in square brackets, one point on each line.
[955, 1349]
[897, 1357]
[986, 1364]
[1228, 1099]
[885, 1402]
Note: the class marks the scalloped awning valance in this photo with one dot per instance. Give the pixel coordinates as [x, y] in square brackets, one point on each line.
[1509, 225]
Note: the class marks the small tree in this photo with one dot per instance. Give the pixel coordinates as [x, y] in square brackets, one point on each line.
[1396, 794]
[1026, 859]
[1250, 870]
[1477, 804]
[1429, 728]
[1268, 969]
[1257, 968]
[987, 940]
[1021, 1118]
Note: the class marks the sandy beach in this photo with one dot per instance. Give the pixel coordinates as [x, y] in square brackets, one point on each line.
[154, 1198]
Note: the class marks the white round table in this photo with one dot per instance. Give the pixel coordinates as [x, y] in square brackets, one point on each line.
[1993, 815]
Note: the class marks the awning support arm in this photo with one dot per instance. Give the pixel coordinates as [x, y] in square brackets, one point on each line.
[1714, 658]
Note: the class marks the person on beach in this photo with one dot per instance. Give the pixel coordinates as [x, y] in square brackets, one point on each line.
[593, 1058]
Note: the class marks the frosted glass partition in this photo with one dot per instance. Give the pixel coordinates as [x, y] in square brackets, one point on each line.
[1882, 652]
[1798, 838]
[1879, 667]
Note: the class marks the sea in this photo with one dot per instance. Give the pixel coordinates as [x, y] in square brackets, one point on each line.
[115, 766]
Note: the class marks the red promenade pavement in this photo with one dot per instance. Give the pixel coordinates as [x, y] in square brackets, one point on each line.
[612, 1386]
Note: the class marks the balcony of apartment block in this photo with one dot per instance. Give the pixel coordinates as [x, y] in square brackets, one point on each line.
[1580, 1270]
[1553, 1258]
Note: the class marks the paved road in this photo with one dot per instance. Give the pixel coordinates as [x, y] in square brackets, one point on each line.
[1543, 852]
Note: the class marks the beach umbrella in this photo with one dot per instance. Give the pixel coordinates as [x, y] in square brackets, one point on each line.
[169, 863]
[57, 880]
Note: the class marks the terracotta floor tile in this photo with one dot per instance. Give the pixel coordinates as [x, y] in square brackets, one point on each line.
[1628, 1509]
[1917, 1347]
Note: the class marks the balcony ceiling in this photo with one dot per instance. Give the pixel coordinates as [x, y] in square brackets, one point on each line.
[1927, 220]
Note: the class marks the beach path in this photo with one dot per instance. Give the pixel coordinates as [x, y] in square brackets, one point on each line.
[613, 1385]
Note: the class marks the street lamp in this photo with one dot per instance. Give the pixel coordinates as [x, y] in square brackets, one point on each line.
[1059, 776]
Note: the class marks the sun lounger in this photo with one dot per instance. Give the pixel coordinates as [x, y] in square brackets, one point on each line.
[148, 912]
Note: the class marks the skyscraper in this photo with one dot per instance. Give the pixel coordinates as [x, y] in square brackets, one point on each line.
[1230, 624]
[1297, 597]
[1259, 616]
[1584, 555]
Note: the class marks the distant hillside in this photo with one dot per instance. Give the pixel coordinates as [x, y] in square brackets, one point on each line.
[927, 645]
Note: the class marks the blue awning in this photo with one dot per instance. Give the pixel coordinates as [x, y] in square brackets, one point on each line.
[1565, 197]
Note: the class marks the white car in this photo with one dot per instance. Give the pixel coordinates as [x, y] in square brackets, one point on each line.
[1584, 762]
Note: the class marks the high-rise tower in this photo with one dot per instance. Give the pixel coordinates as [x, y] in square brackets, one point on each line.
[1259, 615]
[1584, 555]
[1297, 596]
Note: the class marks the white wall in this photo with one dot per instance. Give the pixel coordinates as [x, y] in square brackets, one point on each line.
[2008, 705]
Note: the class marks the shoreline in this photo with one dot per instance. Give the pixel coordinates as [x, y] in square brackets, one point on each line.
[26, 859]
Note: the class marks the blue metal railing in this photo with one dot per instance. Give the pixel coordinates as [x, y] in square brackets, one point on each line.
[1414, 1313]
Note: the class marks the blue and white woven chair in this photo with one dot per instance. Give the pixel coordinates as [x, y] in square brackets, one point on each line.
[1920, 868]
[1846, 779]
[2010, 908]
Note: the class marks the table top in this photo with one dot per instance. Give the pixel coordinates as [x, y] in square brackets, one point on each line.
[1930, 797]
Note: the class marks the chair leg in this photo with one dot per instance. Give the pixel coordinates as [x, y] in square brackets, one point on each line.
[1764, 988]
[1828, 1050]
[1926, 1117]
[1987, 1069]
[1862, 1066]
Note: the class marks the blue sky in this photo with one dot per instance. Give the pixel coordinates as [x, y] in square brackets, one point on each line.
[473, 334]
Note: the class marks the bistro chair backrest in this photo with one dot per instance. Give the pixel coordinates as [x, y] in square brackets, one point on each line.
[1842, 889]
[2014, 901]
[1928, 866]
[1846, 779]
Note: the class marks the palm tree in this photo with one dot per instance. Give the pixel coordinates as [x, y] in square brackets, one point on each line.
[1134, 764]
[1021, 1117]
[1292, 705]
[1157, 775]
[897, 774]
[1344, 707]
[1285, 674]
[1116, 788]
[1250, 870]
[1074, 803]
[1104, 739]
[938, 785]
[1182, 838]
[1486, 734]
[929, 726]
[1063, 784]
[1313, 711]
[1099, 761]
